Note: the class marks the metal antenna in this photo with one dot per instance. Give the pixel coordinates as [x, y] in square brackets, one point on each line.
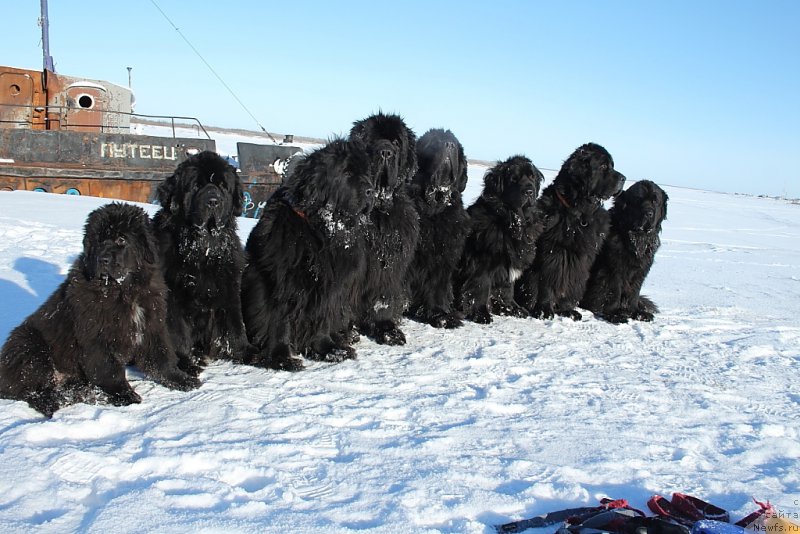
[44, 22]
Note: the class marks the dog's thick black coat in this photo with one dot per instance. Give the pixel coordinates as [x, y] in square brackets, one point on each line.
[576, 225]
[501, 244]
[443, 222]
[393, 231]
[627, 255]
[109, 312]
[305, 255]
[202, 259]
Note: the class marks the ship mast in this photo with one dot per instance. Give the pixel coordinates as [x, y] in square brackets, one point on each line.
[44, 22]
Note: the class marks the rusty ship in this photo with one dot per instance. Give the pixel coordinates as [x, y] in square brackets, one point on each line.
[74, 135]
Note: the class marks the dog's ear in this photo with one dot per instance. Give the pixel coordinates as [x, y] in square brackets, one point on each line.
[578, 164]
[88, 257]
[359, 130]
[166, 193]
[141, 229]
[88, 262]
[238, 194]
[149, 245]
[147, 238]
[493, 181]
[621, 200]
[619, 211]
[461, 181]
[150, 255]
[308, 184]
[411, 157]
[664, 199]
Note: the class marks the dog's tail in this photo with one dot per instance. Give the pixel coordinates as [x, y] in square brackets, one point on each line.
[647, 305]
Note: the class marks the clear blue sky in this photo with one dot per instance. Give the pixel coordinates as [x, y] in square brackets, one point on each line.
[700, 93]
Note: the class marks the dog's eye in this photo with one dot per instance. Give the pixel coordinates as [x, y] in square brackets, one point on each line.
[120, 241]
[604, 167]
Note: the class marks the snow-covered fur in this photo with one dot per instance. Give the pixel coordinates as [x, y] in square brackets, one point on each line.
[502, 240]
[109, 312]
[436, 191]
[203, 259]
[305, 255]
[393, 231]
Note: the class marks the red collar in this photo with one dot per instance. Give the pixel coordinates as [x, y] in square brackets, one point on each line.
[300, 214]
[562, 199]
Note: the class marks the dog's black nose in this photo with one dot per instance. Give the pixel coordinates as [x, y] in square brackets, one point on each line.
[213, 202]
[386, 153]
[105, 260]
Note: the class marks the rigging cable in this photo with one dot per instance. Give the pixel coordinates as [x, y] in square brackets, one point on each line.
[213, 71]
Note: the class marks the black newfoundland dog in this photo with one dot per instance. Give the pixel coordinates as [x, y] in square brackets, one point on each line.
[576, 224]
[202, 259]
[393, 229]
[109, 312]
[443, 222]
[305, 255]
[502, 240]
[627, 255]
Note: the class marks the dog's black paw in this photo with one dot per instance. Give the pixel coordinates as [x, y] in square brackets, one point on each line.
[180, 381]
[571, 314]
[280, 358]
[480, 315]
[125, 397]
[642, 315]
[390, 336]
[326, 349]
[335, 355]
[445, 320]
[543, 312]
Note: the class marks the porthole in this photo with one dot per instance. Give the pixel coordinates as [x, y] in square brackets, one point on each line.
[72, 191]
[86, 101]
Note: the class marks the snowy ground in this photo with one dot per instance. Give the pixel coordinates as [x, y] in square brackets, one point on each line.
[454, 432]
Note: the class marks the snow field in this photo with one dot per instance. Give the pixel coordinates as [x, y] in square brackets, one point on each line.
[455, 431]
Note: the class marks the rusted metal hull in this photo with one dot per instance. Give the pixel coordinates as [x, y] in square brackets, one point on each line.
[124, 166]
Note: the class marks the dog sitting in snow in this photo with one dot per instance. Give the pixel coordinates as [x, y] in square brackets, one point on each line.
[501, 243]
[305, 257]
[203, 260]
[110, 311]
[443, 222]
[576, 225]
[393, 229]
[627, 255]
